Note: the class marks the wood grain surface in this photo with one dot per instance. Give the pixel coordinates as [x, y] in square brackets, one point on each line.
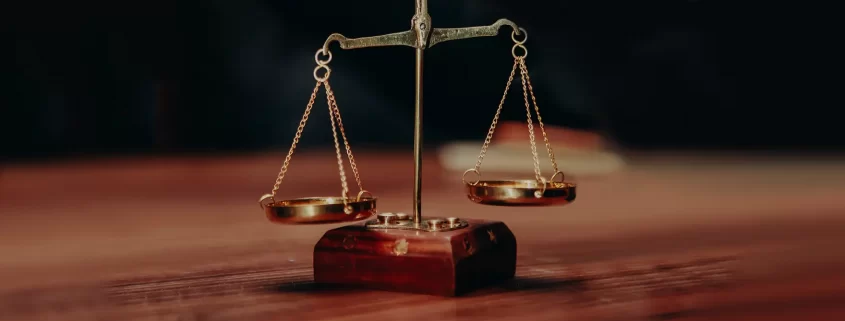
[671, 237]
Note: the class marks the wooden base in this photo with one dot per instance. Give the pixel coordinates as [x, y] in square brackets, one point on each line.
[447, 263]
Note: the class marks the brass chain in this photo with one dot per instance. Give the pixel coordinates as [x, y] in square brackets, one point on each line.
[296, 138]
[336, 114]
[495, 118]
[549, 149]
[337, 148]
[519, 60]
[537, 172]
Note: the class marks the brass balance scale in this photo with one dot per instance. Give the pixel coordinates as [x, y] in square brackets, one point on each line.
[408, 253]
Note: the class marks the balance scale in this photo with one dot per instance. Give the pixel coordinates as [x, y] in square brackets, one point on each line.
[446, 256]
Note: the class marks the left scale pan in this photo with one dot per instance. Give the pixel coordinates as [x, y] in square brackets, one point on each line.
[321, 210]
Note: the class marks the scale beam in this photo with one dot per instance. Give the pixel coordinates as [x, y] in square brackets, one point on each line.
[410, 39]
[447, 34]
[405, 38]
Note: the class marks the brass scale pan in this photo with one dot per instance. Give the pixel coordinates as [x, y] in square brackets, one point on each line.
[320, 210]
[520, 192]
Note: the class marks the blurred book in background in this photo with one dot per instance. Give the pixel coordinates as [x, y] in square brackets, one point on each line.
[577, 153]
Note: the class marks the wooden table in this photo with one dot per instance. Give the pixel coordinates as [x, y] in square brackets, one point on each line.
[670, 237]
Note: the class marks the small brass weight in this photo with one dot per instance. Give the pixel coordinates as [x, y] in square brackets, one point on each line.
[408, 253]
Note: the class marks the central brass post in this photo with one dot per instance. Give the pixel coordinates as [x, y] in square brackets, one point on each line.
[418, 134]
[421, 23]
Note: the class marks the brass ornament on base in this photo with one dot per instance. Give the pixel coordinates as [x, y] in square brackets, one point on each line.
[409, 253]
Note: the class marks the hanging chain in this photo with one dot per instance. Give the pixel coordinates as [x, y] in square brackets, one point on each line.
[336, 114]
[519, 60]
[522, 75]
[549, 149]
[496, 118]
[337, 147]
[295, 140]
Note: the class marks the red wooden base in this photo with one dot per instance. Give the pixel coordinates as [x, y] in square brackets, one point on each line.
[447, 263]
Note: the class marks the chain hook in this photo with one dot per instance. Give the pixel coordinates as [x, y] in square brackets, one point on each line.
[477, 178]
[322, 64]
[264, 198]
[521, 31]
[539, 193]
[519, 44]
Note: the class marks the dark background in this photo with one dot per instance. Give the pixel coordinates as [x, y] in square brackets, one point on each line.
[162, 77]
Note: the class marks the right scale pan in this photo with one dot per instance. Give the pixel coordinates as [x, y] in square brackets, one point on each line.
[521, 193]
[531, 192]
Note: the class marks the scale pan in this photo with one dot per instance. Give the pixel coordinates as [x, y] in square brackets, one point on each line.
[320, 210]
[521, 193]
